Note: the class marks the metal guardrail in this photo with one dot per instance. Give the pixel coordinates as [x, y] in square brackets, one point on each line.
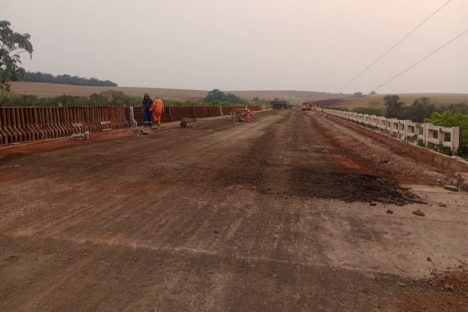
[406, 129]
[177, 113]
[22, 124]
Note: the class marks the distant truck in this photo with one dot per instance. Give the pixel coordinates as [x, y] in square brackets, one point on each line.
[280, 105]
[306, 107]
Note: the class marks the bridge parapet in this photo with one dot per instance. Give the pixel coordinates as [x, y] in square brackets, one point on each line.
[24, 124]
[428, 133]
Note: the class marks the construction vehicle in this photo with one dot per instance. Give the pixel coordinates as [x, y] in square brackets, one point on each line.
[306, 107]
[242, 114]
[279, 104]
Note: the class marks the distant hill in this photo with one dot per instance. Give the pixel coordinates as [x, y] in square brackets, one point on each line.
[67, 79]
[376, 101]
[53, 90]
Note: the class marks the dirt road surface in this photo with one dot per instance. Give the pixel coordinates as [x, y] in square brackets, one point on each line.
[291, 212]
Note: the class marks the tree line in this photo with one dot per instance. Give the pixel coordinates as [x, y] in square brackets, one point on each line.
[418, 111]
[421, 108]
[104, 98]
[67, 79]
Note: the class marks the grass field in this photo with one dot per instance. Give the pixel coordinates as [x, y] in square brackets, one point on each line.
[54, 90]
[296, 97]
[376, 101]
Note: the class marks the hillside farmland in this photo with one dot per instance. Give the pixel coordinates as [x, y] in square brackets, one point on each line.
[376, 101]
[53, 90]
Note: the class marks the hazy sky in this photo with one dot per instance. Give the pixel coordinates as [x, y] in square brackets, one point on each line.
[314, 45]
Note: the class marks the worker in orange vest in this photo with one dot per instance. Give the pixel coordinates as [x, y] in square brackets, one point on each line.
[157, 109]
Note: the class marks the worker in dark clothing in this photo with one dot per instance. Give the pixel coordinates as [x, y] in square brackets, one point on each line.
[147, 103]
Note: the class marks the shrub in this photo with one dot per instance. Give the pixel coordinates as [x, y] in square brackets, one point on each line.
[369, 111]
[449, 119]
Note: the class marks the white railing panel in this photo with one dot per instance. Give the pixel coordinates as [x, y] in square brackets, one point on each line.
[428, 133]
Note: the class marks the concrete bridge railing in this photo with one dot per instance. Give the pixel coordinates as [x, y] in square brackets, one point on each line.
[406, 129]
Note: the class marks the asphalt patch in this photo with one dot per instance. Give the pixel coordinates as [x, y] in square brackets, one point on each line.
[348, 186]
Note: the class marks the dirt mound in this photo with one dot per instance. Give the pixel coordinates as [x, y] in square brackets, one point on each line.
[445, 291]
[451, 281]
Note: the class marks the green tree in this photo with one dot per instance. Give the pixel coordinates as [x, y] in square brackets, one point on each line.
[215, 95]
[461, 108]
[420, 109]
[394, 107]
[12, 45]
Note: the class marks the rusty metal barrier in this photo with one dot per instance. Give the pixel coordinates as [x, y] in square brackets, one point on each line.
[4, 133]
[24, 124]
[177, 113]
[13, 136]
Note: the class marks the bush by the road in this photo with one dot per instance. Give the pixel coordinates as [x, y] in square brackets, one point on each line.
[450, 119]
[369, 111]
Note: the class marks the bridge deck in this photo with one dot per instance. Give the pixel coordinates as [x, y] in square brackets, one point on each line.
[286, 213]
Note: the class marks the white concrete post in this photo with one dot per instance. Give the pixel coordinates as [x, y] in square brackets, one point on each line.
[455, 139]
[131, 115]
[440, 136]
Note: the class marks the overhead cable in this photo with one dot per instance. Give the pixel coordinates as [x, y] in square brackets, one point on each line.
[423, 59]
[394, 46]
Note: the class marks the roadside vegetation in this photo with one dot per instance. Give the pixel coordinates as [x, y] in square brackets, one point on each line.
[453, 119]
[105, 98]
[119, 98]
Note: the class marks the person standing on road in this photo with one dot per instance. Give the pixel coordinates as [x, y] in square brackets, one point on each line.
[147, 103]
[157, 109]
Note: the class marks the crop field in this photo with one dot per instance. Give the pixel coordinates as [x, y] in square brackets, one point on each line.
[376, 101]
[54, 90]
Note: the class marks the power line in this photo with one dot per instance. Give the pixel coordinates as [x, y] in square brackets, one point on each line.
[394, 46]
[422, 60]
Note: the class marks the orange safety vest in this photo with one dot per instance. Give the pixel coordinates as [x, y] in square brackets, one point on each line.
[158, 106]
